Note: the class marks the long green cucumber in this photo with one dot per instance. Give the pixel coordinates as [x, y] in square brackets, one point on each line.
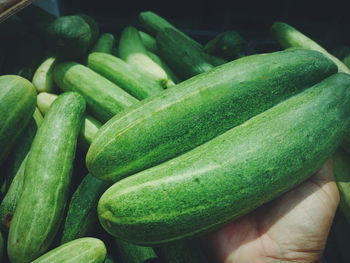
[132, 50]
[130, 253]
[341, 168]
[88, 129]
[124, 75]
[199, 109]
[81, 219]
[104, 99]
[155, 24]
[149, 42]
[47, 179]
[43, 76]
[288, 37]
[104, 44]
[233, 173]
[185, 59]
[18, 97]
[83, 250]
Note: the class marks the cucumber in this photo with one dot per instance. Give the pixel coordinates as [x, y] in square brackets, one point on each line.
[346, 61]
[288, 37]
[133, 52]
[88, 129]
[83, 250]
[43, 76]
[130, 253]
[149, 42]
[81, 219]
[232, 174]
[197, 110]
[18, 97]
[156, 24]
[228, 45]
[341, 166]
[111, 99]
[47, 179]
[124, 75]
[104, 44]
[185, 59]
[182, 252]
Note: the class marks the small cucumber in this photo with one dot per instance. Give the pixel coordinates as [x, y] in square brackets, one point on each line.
[232, 174]
[133, 52]
[18, 99]
[47, 179]
[195, 111]
[43, 76]
[81, 219]
[131, 253]
[104, 98]
[104, 44]
[83, 250]
[288, 37]
[149, 42]
[124, 75]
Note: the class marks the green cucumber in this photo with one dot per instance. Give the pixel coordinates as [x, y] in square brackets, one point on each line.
[197, 110]
[228, 45]
[172, 79]
[18, 97]
[133, 52]
[43, 77]
[155, 24]
[83, 250]
[104, 99]
[185, 59]
[88, 129]
[130, 253]
[288, 37]
[346, 61]
[81, 219]
[149, 42]
[124, 75]
[47, 179]
[341, 166]
[104, 44]
[232, 174]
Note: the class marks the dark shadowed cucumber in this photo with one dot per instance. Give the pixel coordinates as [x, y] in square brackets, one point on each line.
[131, 253]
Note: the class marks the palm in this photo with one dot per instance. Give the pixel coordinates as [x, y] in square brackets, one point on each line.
[293, 228]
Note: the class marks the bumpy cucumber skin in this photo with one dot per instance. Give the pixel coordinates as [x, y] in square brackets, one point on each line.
[131, 253]
[82, 217]
[233, 173]
[104, 99]
[288, 37]
[83, 250]
[104, 44]
[197, 110]
[18, 100]
[124, 75]
[341, 166]
[49, 165]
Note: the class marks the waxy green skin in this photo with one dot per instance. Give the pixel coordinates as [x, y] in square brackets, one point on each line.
[18, 100]
[233, 173]
[104, 44]
[126, 76]
[104, 99]
[81, 219]
[47, 179]
[130, 253]
[83, 250]
[197, 110]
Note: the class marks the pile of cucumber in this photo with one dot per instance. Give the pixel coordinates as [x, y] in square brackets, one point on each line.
[131, 150]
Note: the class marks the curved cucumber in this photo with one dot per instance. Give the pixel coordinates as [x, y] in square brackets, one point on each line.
[104, 44]
[197, 110]
[288, 37]
[233, 173]
[83, 250]
[124, 75]
[43, 76]
[104, 99]
[47, 179]
[18, 98]
[82, 218]
[131, 253]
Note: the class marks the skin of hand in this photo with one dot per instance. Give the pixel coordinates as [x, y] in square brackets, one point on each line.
[292, 228]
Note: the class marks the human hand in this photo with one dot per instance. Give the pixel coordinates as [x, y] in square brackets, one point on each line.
[292, 228]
